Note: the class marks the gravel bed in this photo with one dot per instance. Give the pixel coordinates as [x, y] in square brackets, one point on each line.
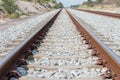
[56, 44]
[7, 36]
[63, 40]
[66, 73]
[61, 73]
[63, 62]
[65, 53]
[109, 27]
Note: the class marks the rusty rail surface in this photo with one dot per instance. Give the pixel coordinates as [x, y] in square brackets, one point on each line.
[106, 56]
[17, 56]
[115, 15]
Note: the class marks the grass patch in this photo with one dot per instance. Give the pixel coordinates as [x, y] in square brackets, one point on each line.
[14, 15]
[26, 14]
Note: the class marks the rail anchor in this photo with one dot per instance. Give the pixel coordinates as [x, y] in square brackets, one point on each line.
[13, 73]
[21, 62]
[107, 74]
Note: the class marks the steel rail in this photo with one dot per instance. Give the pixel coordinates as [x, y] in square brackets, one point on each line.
[108, 57]
[9, 61]
[115, 15]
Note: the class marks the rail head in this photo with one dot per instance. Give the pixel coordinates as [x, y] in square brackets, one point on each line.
[110, 59]
[110, 14]
[9, 61]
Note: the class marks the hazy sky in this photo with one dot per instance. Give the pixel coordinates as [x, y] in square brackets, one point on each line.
[67, 3]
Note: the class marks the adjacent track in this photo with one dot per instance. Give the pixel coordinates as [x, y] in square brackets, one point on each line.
[58, 51]
[115, 15]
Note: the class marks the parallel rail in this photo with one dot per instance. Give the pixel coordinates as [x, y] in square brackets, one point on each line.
[107, 56]
[17, 57]
[115, 15]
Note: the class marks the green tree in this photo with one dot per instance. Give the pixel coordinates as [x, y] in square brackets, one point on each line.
[58, 5]
[90, 3]
[53, 1]
[99, 1]
[9, 6]
[42, 1]
[74, 6]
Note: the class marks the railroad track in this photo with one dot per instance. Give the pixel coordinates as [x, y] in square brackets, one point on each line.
[103, 29]
[20, 32]
[114, 15]
[58, 51]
